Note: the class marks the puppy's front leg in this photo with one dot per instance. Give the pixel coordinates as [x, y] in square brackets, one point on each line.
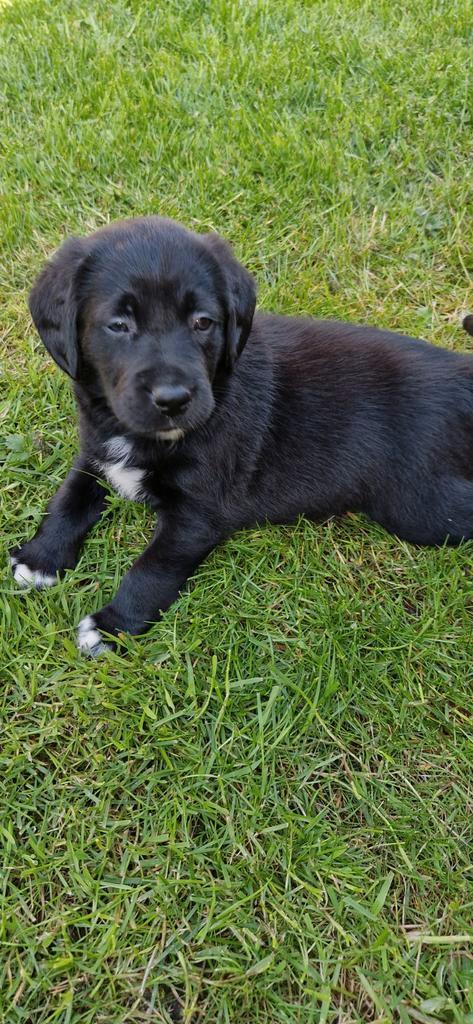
[74, 509]
[151, 585]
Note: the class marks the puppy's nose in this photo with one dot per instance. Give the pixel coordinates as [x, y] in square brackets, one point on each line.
[171, 399]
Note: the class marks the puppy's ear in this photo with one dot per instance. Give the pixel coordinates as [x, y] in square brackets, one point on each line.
[53, 304]
[241, 298]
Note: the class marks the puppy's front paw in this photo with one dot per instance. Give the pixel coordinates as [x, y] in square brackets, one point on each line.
[89, 638]
[28, 576]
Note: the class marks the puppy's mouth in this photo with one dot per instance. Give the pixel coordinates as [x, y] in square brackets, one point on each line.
[171, 427]
[173, 434]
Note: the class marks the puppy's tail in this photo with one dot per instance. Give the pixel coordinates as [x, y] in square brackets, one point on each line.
[467, 323]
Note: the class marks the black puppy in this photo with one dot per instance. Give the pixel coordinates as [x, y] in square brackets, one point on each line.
[315, 417]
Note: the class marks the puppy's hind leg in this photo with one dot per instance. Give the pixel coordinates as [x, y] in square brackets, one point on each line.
[458, 510]
[441, 514]
[56, 545]
[447, 516]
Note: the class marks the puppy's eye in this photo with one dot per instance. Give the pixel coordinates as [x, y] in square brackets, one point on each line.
[202, 323]
[118, 326]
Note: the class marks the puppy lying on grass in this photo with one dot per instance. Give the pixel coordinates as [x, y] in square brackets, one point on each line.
[220, 419]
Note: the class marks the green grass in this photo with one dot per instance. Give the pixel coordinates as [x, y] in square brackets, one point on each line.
[264, 811]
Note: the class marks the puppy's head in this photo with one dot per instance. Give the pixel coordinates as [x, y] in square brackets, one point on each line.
[146, 312]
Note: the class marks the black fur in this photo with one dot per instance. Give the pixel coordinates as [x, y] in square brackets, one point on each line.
[284, 416]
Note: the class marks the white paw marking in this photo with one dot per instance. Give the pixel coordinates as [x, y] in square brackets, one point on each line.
[170, 435]
[124, 478]
[26, 577]
[89, 640]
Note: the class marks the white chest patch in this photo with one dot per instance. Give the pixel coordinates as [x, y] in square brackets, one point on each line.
[124, 478]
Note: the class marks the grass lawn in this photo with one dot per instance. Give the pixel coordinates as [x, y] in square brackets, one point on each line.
[263, 812]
